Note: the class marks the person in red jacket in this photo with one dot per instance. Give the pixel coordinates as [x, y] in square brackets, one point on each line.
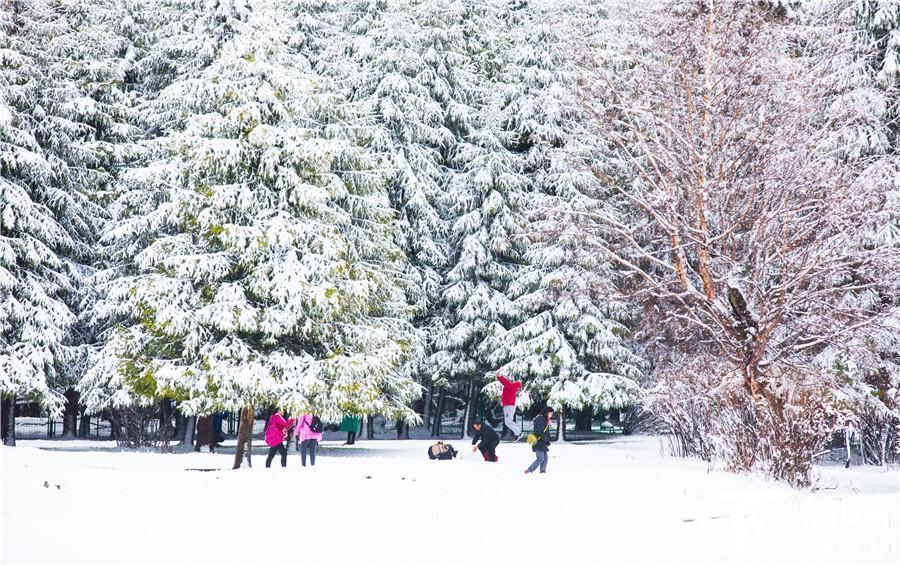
[276, 433]
[508, 399]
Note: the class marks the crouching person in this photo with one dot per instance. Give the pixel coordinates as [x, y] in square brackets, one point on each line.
[486, 440]
[441, 451]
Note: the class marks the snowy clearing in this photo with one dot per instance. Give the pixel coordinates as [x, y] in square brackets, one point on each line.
[385, 502]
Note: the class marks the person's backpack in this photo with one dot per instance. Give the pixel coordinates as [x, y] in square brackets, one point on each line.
[533, 439]
[316, 425]
[442, 451]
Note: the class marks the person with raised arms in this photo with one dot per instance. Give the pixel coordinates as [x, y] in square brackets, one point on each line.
[508, 399]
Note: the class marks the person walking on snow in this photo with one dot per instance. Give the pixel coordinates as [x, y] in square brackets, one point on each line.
[309, 431]
[508, 399]
[276, 433]
[541, 447]
[487, 440]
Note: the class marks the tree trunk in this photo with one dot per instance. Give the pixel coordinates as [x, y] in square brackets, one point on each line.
[429, 396]
[84, 425]
[165, 433]
[471, 407]
[204, 433]
[402, 429]
[189, 432]
[115, 426]
[70, 412]
[244, 439]
[9, 420]
[847, 434]
[436, 424]
[561, 436]
[370, 427]
[113, 431]
[165, 420]
[180, 426]
[4, 424]
[584, 418]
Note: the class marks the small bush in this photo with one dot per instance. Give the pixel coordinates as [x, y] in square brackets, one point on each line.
[780, 433]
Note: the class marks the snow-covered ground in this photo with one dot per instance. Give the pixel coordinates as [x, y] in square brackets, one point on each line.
[384, 502]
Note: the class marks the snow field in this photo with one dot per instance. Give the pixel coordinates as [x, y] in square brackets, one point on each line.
[385, 502]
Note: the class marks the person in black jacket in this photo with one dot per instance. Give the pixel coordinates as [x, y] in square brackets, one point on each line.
[542, 446]
[485, 439]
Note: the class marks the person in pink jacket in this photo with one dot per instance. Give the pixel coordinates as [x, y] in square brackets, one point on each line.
[309, 431]
[508, 399]
[278, 431]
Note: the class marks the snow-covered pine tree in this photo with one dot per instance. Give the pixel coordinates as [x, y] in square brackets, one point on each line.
[315, 27]
[62, 115]
[570, 340]
[486, 199]
[395, 93]
[272, 279]
[368, 168]
[881, 19]
[483, 197]
[168, 42]
[862, 41]
[400, 102]
[92, 61]
[880, 22]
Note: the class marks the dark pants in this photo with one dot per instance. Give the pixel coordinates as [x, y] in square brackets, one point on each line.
[311, 445]
[489, 452]
[351, 438]
[542, 458]
[277, 449]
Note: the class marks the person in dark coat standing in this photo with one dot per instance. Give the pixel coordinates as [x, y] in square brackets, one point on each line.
[541, 447]
[486, 440]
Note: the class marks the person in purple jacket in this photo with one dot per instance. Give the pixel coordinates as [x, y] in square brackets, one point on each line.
[309, 430]
[277, 431]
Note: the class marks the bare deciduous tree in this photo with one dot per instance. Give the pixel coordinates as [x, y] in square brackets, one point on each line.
[743, 228]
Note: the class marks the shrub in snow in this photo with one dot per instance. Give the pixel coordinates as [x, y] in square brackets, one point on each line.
[719, 421]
